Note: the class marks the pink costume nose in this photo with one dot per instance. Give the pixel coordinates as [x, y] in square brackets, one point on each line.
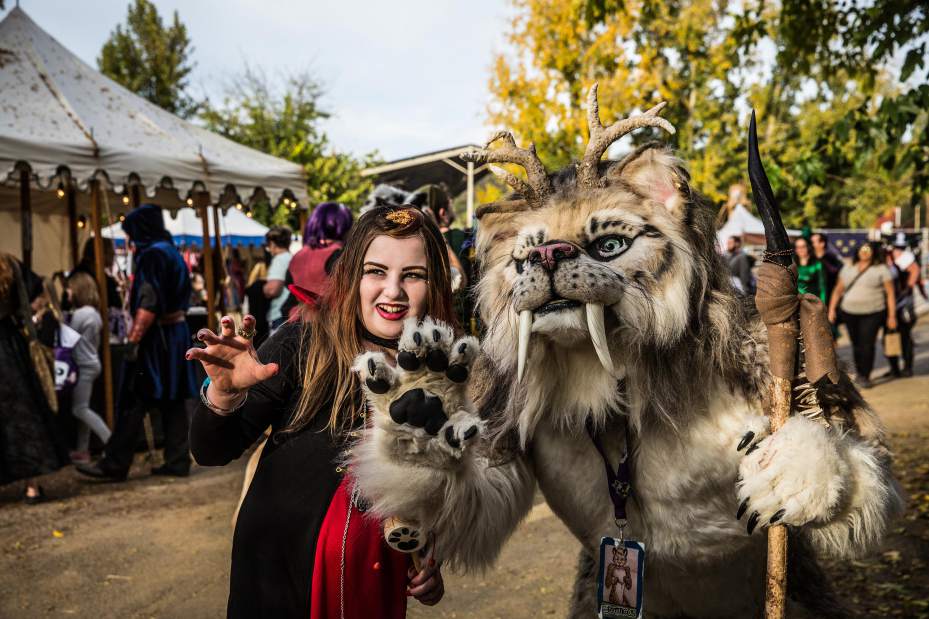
[548, 255]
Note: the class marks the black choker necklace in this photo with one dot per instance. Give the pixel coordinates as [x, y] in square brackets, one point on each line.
[380, 341]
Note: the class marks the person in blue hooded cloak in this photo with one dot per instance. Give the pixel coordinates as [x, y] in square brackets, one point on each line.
[158, 376]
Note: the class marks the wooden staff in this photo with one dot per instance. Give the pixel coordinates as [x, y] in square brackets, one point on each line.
[776, 300]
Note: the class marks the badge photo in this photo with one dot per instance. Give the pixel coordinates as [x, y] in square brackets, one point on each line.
[620, 579]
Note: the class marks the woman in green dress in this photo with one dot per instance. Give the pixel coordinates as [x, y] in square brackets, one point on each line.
[811, 278]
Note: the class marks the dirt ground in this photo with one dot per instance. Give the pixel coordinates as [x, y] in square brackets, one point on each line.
[156, 547]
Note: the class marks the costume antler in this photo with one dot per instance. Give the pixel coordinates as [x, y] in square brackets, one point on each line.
[538, 187]
[601, 137]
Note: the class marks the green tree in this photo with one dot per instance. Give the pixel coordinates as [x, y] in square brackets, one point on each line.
[284, 122]
[821, 101]
[150, 59]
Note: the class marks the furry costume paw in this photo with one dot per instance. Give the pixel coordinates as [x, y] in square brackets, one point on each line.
[421, 411]
[419, 459]
[795, 476]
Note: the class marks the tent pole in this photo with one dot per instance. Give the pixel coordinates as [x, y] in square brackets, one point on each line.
[219, 253]
[72, 223]
[135, 197]
[301, 219]
[470, 193]
[103, 304]
[25, 218]
[201, 200]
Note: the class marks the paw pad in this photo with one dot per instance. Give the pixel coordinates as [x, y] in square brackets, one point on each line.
[419, 409]
[436, 360]
[457, 373]
[405, 539]
[408, 361]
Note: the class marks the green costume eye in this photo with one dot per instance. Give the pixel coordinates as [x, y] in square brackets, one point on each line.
[608, 247]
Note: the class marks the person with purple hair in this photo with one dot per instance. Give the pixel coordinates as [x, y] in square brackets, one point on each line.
[323, 237]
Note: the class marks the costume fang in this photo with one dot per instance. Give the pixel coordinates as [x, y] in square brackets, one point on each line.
[610, 318]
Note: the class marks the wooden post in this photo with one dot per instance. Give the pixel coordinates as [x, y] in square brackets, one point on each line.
[470, 204]
[135, 196]
[201, 202]
[302, 217]
[100, 269]
[71, 196]
[220, 259]
[25, 217]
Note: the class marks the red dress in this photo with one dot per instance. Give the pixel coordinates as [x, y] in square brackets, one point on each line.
[375, 575]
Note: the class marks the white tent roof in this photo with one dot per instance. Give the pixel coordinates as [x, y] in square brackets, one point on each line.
[740, 223]
[55, 110]
[186, 227]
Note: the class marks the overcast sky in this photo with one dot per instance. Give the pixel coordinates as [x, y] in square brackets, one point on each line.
[401, 77]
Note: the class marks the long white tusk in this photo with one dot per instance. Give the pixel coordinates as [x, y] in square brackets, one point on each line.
[522, 349]
[597, 331]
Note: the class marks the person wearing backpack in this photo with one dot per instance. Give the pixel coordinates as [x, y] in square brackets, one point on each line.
[863, 293]
[85, 319]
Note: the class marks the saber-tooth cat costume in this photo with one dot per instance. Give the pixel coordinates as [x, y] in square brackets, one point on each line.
[610, 319]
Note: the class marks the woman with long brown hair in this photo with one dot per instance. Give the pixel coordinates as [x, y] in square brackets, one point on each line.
[302, 544]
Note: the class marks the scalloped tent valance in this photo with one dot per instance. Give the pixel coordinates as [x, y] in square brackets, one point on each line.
[63, 119]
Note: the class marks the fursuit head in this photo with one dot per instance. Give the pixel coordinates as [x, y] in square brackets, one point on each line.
[609, 311]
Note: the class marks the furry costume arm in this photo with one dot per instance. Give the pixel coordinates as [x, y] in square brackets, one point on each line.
[421, 457]
[834, 481]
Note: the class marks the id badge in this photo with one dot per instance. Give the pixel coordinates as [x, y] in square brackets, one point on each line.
[620, 578]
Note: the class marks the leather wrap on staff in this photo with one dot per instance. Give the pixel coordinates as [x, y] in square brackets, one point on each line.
[776, 300]
[779, 305]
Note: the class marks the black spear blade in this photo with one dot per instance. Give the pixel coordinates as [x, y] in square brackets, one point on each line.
[779, 246]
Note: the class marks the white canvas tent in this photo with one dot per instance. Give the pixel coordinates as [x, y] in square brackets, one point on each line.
[64, 123]
[73, 141]
[185, 227]
[740, 223]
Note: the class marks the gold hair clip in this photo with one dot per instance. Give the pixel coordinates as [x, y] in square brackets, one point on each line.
[401, 218]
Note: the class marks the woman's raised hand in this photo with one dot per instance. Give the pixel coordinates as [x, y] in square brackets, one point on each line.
[230, 359]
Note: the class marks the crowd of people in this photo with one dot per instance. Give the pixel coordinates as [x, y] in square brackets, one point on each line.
[51, 334]
[873, 293]
[280, 366]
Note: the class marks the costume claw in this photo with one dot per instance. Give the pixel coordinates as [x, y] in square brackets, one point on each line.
[745, 440]
[742, 508]
[777, 516]
[753, 522]
[751, 449]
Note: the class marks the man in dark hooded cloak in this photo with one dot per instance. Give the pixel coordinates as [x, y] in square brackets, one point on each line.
[159, 376]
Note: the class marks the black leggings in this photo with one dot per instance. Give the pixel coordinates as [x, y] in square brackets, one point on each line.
[862, 330]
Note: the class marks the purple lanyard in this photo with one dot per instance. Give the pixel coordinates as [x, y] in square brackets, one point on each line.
[619, 482]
